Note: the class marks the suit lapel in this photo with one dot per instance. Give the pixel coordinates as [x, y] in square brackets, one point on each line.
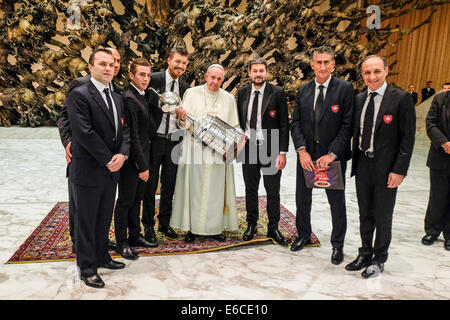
[309, 94]
[387, 99]
[245, 103]
[101, 103]
[359, 106]
[266, 98]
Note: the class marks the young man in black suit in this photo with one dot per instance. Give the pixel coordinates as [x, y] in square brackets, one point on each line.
[66, 134]
[100, 146]
[383, 141]
[135, 172]
[163, 140]
[321, 132]
[428, 91]
[437, 218]
[263, 115]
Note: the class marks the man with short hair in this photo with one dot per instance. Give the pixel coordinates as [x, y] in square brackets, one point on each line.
[135, 172]
[428, 91]
[383, 141]
[446, 86]
[413, 94]
[263, 116]
[100, 146]
[321, 132]
[205, 196]
[163, 140]
[65, 133]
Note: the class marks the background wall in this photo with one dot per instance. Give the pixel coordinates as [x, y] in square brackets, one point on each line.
[424, 54]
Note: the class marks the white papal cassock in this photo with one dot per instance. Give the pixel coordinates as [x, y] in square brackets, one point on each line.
[205, 195]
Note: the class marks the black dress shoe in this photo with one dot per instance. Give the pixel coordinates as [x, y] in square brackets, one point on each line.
[299, 243]
[141, 242]
[220, 237]
[168, 231]
[373, 270]
[189, 238]
[359, 263]
[249, 233]
[126, 252]
[150, 235]
[428, 240]
[95, 281]
[276, 235]
[447, 244]
[113, 265]
[337, 256]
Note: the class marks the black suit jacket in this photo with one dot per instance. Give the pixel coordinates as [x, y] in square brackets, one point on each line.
[426, 94]
[414, 97]
[94, 140]
[438, 129]
[140, 124]
[394, 134]
[63, 117]
[274, 111]
[335, 121]
[158, 82]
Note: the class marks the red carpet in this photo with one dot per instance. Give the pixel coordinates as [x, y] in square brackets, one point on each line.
[50, 241]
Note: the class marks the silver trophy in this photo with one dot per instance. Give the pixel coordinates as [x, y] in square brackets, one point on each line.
[210, 130]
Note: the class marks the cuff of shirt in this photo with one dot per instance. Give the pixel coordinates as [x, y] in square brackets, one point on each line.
[302, 147]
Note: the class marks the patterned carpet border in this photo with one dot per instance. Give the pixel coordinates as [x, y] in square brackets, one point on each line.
[50, 241]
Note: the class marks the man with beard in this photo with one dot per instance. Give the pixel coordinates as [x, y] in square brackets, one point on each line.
[263, 116]
[163, 141]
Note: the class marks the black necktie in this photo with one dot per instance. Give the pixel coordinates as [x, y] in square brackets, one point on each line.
[110, 105]
[317, 111]
[254, 115]
[368, 123]
[172, 87]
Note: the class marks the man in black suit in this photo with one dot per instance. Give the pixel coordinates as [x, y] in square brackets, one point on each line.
[321, 132]
[66, 134]
[100, 146]
[428, 91]
[263, 115]
[383, 140]
[437, 218]
[163, 140]
[135, 172]
[413, 94]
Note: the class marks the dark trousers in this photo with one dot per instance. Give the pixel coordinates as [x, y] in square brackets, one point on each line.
[94, 209]
[160, 156]
[71, 212]
[376, 207]
[336, 199]
[437, 218]
[128, 206]
[252, 177]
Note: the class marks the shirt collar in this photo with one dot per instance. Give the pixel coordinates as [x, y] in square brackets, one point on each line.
[325, 84]
[100, 86]
[169, 79]
[142, 93]
[261, 90]
[380, 90]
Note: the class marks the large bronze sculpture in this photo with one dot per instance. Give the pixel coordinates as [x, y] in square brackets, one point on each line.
[42, 42]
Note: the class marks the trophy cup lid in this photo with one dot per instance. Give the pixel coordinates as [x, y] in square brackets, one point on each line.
[169, 101]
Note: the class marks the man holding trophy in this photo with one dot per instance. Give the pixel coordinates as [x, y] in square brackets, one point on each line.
[201, 169]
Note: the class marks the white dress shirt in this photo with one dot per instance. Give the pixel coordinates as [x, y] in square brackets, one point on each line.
[173, 117]
[259, 133]
[100, 87]
[377, 103]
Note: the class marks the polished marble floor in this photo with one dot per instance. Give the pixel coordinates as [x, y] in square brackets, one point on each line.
[32, 180]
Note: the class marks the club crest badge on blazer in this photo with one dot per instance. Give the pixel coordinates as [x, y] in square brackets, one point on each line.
[335, 108]
[273, 113]
[388, 118]
[121, 119]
